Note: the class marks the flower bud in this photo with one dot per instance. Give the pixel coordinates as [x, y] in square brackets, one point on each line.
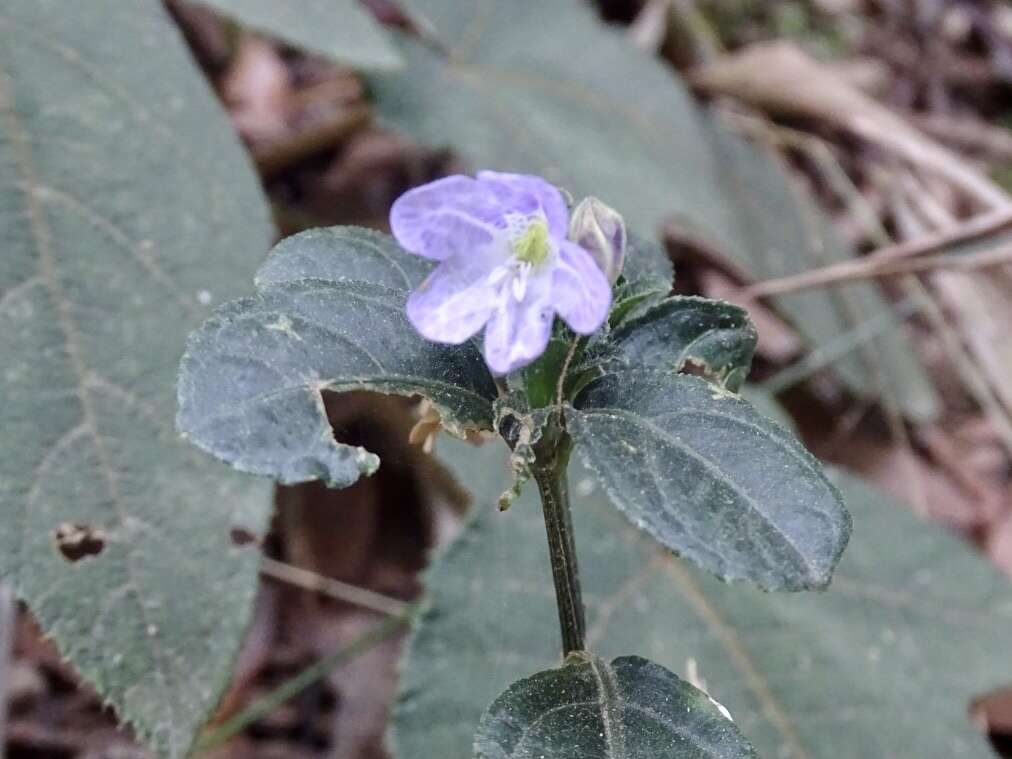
[600, 230]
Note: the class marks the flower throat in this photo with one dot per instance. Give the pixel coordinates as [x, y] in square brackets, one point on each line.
[532, 247]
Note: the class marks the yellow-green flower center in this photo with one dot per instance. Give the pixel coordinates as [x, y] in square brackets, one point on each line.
[532, 247]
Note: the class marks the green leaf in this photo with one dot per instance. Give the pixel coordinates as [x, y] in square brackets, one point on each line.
[716, 335]
[647, 262]
[882, 664]
[711, 478]
[127, 207]
[646, 279]
[343, 30]
[342, 253]
[329, 315]
[629, 708]
[546, 88]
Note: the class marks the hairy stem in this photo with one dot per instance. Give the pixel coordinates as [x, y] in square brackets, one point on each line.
[550, 476]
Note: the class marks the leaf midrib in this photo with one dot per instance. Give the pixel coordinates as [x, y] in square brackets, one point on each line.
[609, 703]
[713, 468]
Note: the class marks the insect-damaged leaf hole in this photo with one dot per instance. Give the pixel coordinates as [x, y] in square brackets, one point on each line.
[697, 368]
[240, 536]
[75, 541]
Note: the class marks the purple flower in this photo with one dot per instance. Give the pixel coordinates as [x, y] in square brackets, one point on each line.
[505, 264]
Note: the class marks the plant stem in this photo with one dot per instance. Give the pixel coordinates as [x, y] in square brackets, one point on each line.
[550, 476]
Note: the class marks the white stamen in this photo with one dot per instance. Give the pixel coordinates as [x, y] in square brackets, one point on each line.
[520, 285]
[499, 273]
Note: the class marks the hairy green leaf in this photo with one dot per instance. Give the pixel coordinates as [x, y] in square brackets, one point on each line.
[646, 279]
[647, 262]
[343, 30]
[717, 336]
[882, 664]
[342, 253]
[629, 708]
[118, 233]
[711, 478]
[329, 315]
[546, 88]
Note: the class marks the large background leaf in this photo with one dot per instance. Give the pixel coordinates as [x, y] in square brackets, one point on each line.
[118, 234]
[340, 29]
[329, 314]
[544, 87]
[883, 664]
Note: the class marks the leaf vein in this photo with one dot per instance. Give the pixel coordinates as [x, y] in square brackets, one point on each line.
[119, 236]
[713, 468]
[11, 293]
[375, 247]
[528, 729]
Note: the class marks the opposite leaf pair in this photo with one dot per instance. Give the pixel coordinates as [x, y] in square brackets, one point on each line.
[685, 459]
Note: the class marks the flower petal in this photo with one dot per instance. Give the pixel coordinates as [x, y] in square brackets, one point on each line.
[518, 331]
[580, 290]
[456, 299]
[449, 216]
[526, 194]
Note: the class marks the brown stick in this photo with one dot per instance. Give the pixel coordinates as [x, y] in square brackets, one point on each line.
[873, 268]
[966, 133]
[780, 78]
[887, 261]
[340, 591]
[274, 157]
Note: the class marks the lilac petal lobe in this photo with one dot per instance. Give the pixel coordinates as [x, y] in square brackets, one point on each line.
[518, 330]
[580, 290]
[456, 299]
[449, 216]
[526, 194]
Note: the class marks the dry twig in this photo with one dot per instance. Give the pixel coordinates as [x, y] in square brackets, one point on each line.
[872, 267]
[779, 78]
[340, 591]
